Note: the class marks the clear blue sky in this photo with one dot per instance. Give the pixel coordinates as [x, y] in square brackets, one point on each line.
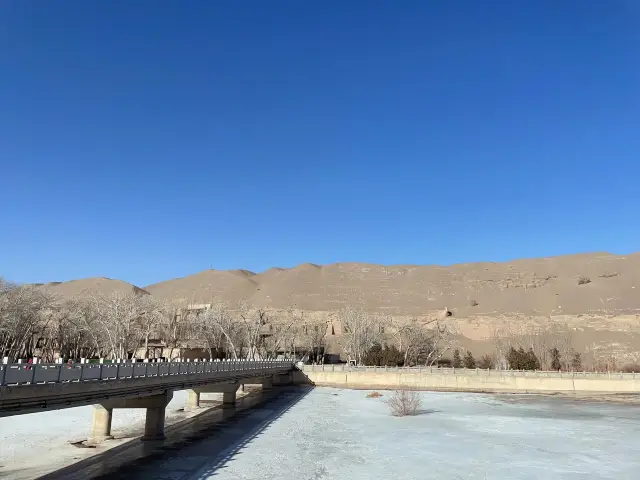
[147, 140]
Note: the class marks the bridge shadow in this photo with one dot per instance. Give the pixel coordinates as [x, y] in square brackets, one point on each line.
[204, 443]
[247, 429]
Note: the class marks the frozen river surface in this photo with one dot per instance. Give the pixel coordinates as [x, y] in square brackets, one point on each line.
[341, 434]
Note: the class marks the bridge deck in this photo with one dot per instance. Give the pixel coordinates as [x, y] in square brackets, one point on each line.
[26, 388]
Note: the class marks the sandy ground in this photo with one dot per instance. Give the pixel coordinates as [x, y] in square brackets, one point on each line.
[57, 435]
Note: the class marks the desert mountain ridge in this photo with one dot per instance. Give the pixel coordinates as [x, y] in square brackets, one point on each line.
[585, 283]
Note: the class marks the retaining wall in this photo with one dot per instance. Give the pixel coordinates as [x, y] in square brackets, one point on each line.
[427, 378]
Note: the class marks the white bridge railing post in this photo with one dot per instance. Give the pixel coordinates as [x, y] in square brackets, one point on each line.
[21, 373]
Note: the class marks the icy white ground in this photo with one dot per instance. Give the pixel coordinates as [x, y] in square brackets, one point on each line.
[50, 436]
[51, 430]
[341, 434]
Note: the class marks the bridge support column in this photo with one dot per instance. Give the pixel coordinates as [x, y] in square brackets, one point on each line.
[101, 426]
[155, 405]
[193, 399]
[154, 424]
[228, 391]
[229, 399]
[267, 383]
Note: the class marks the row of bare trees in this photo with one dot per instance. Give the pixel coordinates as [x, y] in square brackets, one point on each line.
[36, 322]
[426, 342]
[252, 333]
[422, 342]
[24, 313]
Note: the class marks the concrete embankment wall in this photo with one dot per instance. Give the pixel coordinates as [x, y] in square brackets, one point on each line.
[467, 380]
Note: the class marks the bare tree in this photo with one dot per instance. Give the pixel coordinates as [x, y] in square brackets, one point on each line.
[502, 343]
[205, 327]
[294, 338]
[35, 322]
[253, 322]
[26, 312]
[409, 339]
[69, 335]
[152, 312]
[360, 331]
[441, 338]
[116, 321]
[176, 326]
[221, 330]
[312, 338]
[275, 334]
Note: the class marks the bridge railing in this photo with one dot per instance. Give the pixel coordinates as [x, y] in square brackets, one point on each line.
[40, 373]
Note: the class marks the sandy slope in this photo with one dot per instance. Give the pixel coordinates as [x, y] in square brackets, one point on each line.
[543, 286]
[603, 309]
[538, 286]
[88, 285]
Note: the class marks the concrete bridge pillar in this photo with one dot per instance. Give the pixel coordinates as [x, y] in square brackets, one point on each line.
[154, 423]
[193, 399]
[229, 399]
[267, 383]
[101, 426]
[228, 391]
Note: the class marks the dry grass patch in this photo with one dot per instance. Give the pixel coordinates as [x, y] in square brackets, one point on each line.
[374, 395]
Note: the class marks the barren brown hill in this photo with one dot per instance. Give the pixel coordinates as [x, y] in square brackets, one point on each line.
[84, 286]
[208, 286]
[596, 283]
[596, 296]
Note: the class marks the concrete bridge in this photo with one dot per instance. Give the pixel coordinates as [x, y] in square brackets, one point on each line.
[29, 388]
